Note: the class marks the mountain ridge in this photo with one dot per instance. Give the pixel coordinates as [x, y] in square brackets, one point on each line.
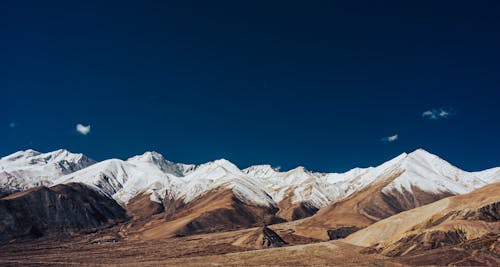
[298, 190]
[29, 168]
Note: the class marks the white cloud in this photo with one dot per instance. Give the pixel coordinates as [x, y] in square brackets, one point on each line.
[429, 114]
[391, 138]
[83, 129]
[444, 114]
[435, 114]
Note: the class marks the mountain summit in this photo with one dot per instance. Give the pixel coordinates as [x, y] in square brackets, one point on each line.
[29, 168]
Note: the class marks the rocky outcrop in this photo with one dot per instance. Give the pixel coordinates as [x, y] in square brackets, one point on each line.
[271, 239]
[259, 238]
[482, 251]
[59, 209]
[341, 232]
[425, 241]
[489, 213]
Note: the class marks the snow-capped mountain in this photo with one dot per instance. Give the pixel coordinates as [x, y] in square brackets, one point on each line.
[151, 174]
[29, 168]
[299, 184]
[222, 173]
[123, 180]
[419, 169]
[430, 173]
[156, 160]
[262, 185]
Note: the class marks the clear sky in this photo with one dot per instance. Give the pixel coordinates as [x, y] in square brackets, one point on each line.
[323, 84]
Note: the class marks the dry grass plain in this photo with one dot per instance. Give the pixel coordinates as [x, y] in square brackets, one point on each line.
[198, 250]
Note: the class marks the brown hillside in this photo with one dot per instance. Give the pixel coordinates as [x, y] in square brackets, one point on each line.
[61, 208]
[216, 211]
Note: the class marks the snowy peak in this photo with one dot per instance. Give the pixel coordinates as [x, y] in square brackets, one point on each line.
[222, 174]
[218, 166]
[424, 158]
[26, 158]
[20, 155]
[156, 159]
[30, 168]
[264, 171]
[299, 171]
[122, 180]
[430, 173]
[226, 164]
[421, 152]
[149, 157]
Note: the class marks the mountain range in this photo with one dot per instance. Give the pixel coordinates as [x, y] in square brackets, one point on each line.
[147, 197]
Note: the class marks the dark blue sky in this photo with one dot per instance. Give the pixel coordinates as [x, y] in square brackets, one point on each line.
[315, 84]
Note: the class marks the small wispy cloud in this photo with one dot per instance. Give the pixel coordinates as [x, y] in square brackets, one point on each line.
[83, 129]
[12, 125]
[438, 113]
[389, 139]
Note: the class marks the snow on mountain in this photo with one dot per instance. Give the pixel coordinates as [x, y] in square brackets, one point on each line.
[419, 169]
[489, 176]
[29, 168]
[145, 174]
[156, 159]
[430, 173]
[264, 171]
[317, 189]
[151, 174]
[222, 173]
[299, 183]
[262, 185]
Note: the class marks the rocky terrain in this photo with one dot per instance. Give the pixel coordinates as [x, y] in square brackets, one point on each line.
[470, 220]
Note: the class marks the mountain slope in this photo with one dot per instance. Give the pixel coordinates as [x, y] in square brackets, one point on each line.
[448, 223]
[218, 210]
[222, 173]
[41, 211]
[298, 192]
[403, 183]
